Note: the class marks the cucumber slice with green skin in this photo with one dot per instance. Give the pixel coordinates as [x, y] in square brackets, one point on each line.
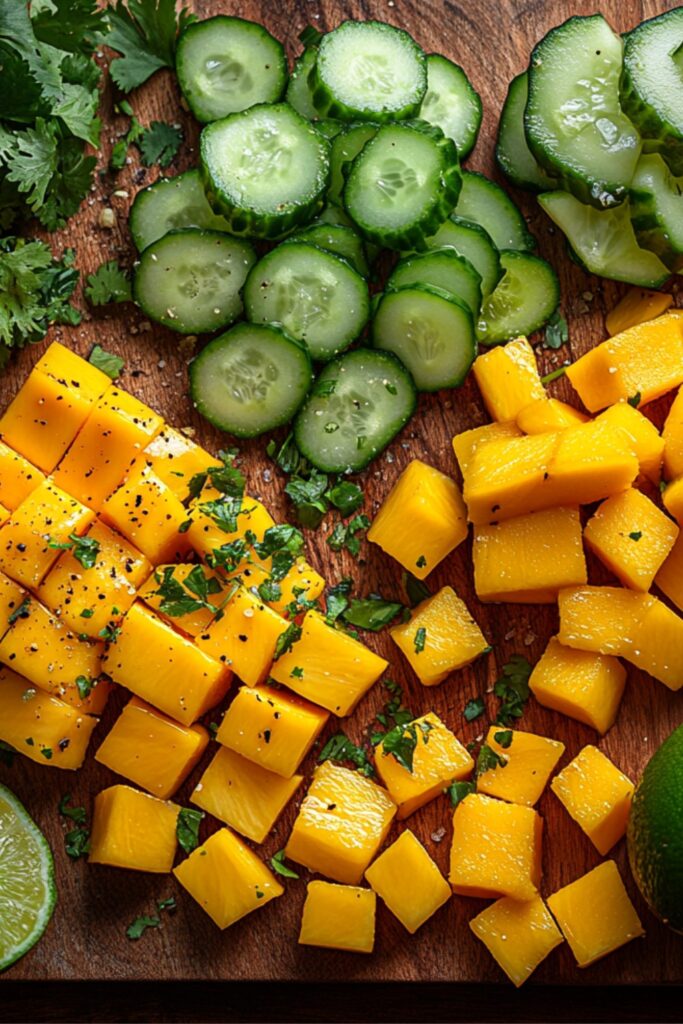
[430, 331]
[357, 405]
[191, 280]
[368, 71]
[333, 214]
[299, 94]
[345, 148]
[513, 155]
[574, 125]
[251, 379]
[266, 169]
[604, 241]
[403, 184]
[486, 203]
[441, 268]
[657, 209]
[227, 64]
[318, 298]
[525, 298]
[652, 84]
[474, 243]
[337, 239]
[172, 203]
[451, 103]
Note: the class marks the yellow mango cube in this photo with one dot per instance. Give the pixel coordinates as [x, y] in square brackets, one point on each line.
[439, 758]
[592, 461]
[658, 649]
[342, 822]
[408, 881]
[244, 795]
[580, 684]
[133, 830]
[302, 581]
[227, 879]
[193, 622]
[529, 761]
[149, 515]
[528, 559]
[506, 477]
[672, 436]
[669, 579]
[547, 415]
[152, 750]
[469, 441]
[518, 935]
[632, 537]
[73, 371]
[598, 379]
[328, 667]
[597, 796]
[637, 306]
[245, 637]
[18, 477]
[672, 497]
[338, 917]
[595, 914]
[175, 459]
[496, 849]
[644, 439]
[508, 379]
[206, 533]
[440, 637]
[422, 519]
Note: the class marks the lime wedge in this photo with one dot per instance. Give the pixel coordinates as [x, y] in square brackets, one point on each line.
[27, 880]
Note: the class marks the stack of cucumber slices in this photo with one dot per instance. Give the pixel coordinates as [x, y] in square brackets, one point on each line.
[595, 125]
[303, 182]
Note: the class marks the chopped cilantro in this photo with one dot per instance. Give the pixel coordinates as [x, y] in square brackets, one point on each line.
[340, 748]
[420, 640]
[636, 535]
[77, 842]
[47, 753]
[20, 612]
[277, 862]
[554, 375]
[110, 633]
[401, 742]
[634, 400]
[503, 738]
[416, 591]
[487, 759]
[457, 791]
[183, 597]
[297, 672]
[346, 536]
[168, 904]
[474, 708]
[140, 925]
[84, 686]
[421, 562]
[107, 285]
[345, 496]
[286, 640]
[556, 331]
[337, 599]
[75, 814]
[372, 613]
[159, 144]
[513, 689]
[187, 828]
[87, 613]
[269, 590]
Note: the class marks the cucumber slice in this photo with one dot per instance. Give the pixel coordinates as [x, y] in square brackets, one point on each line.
[513, 155]
[652, 84]
[604, 241]
[657, 209]
[328, 127]
[318, 298]
[369, 71]
[487, 204]
[337, 239]
[172, 203]
[191, 280]
[451, 103]
[430, 331]
[299, 94]
[266, 169]
[227, 64]
[441, 268]
[474, 243]
[250, 379]
[356, 407]
[333, 214]
[573, 122]
[403, 184]
[345, 148]
[524, 299]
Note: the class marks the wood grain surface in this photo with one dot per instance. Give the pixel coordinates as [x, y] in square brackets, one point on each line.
[86, 939]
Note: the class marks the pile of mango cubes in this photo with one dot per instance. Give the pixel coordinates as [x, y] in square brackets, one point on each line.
[97, 508]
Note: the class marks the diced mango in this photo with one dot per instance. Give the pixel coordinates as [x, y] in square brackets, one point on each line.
[597, 796]
[591, 461]
[149, 515]
[206, 533]
[18, 477]
[12, 598]
[440, 637]
[227, 879]
[422, 519]
[595, 914]
[659, 645]
[547, 415]
[508, 379]
[529, 761]
[672, 497]
[598, 378]
[4, 514]
[342, 822]
[669, 579]
[581, 684]
[496, 849]
[338, 917]
[302, 581]
[175, 459]
[518, 935]
[245, 637]
[192, 622]
[644, 439]
[506, 478]
[470, 441]
[636, 307]
[672, 435]
[408, 881]
[73, 371]
[133, 830]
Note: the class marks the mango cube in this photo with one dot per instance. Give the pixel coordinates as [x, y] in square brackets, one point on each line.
[669, 579]
[302, 581]
[193, 622]
[440, 637]
[207, 532]
[18, 477]
[581, 684]
[496, 849]
[546, 415]
[342, 822]
[597, 796]
[518, 935]
[149, 515]
[598, 379]
[672, 497]
[422, 519]
[595, 914]
[469, 441]
[637, 306]
[71, 370]
[408, 881]
[528, 559]
[133, 830]
[506, 477]
[439, 758]
[644, 439]
[245, 637]
[338, 917]
[328, 667]
[151, 749]
[672, 437]
[227, 879]
[175, 459]
[508, 379]
[529, 761]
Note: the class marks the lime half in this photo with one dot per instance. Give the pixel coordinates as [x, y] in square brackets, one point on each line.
[27, 880]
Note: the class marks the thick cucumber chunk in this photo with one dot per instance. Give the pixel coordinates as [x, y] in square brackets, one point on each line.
[574, 125]
[524, 299]
[430, 331]
[474, 243]
[451, 103]
[251, 379]
[444, 269]
[356, 407]
[514, 157]
[486, 203]
[299, 94]
[337, 239]
[346, 146]
[652, 84]
[403, 184]
[227, 64]
[369, 71]
[172, 203]
[191, 280]
[604, 241]
[657, 209]
[318, 298]
[266, 169]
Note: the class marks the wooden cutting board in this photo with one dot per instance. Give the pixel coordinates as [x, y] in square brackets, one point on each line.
[86, 939]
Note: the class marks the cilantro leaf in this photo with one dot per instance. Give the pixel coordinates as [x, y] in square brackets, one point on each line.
[22, 611]
[420, 640]
[71, 25]
[346, 497]
[635, 535]
[187, 828]
[512, 687]
[337, 599]
[457, 791]
[145, 32]
[76, 814]
[416, 591]
[503, 738]
[159, 144]
[77, 842]
[277, 863]
[474, 709]
[556, 331]
[634, 400]
[308, 498]
[286, 640]
[488, 759]
[401, 742]
[340, 748]
[372, 613]
[347, 536]
[107, 362]
[140, 925]
[108, 284]
[84, 685]
[34, 291]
